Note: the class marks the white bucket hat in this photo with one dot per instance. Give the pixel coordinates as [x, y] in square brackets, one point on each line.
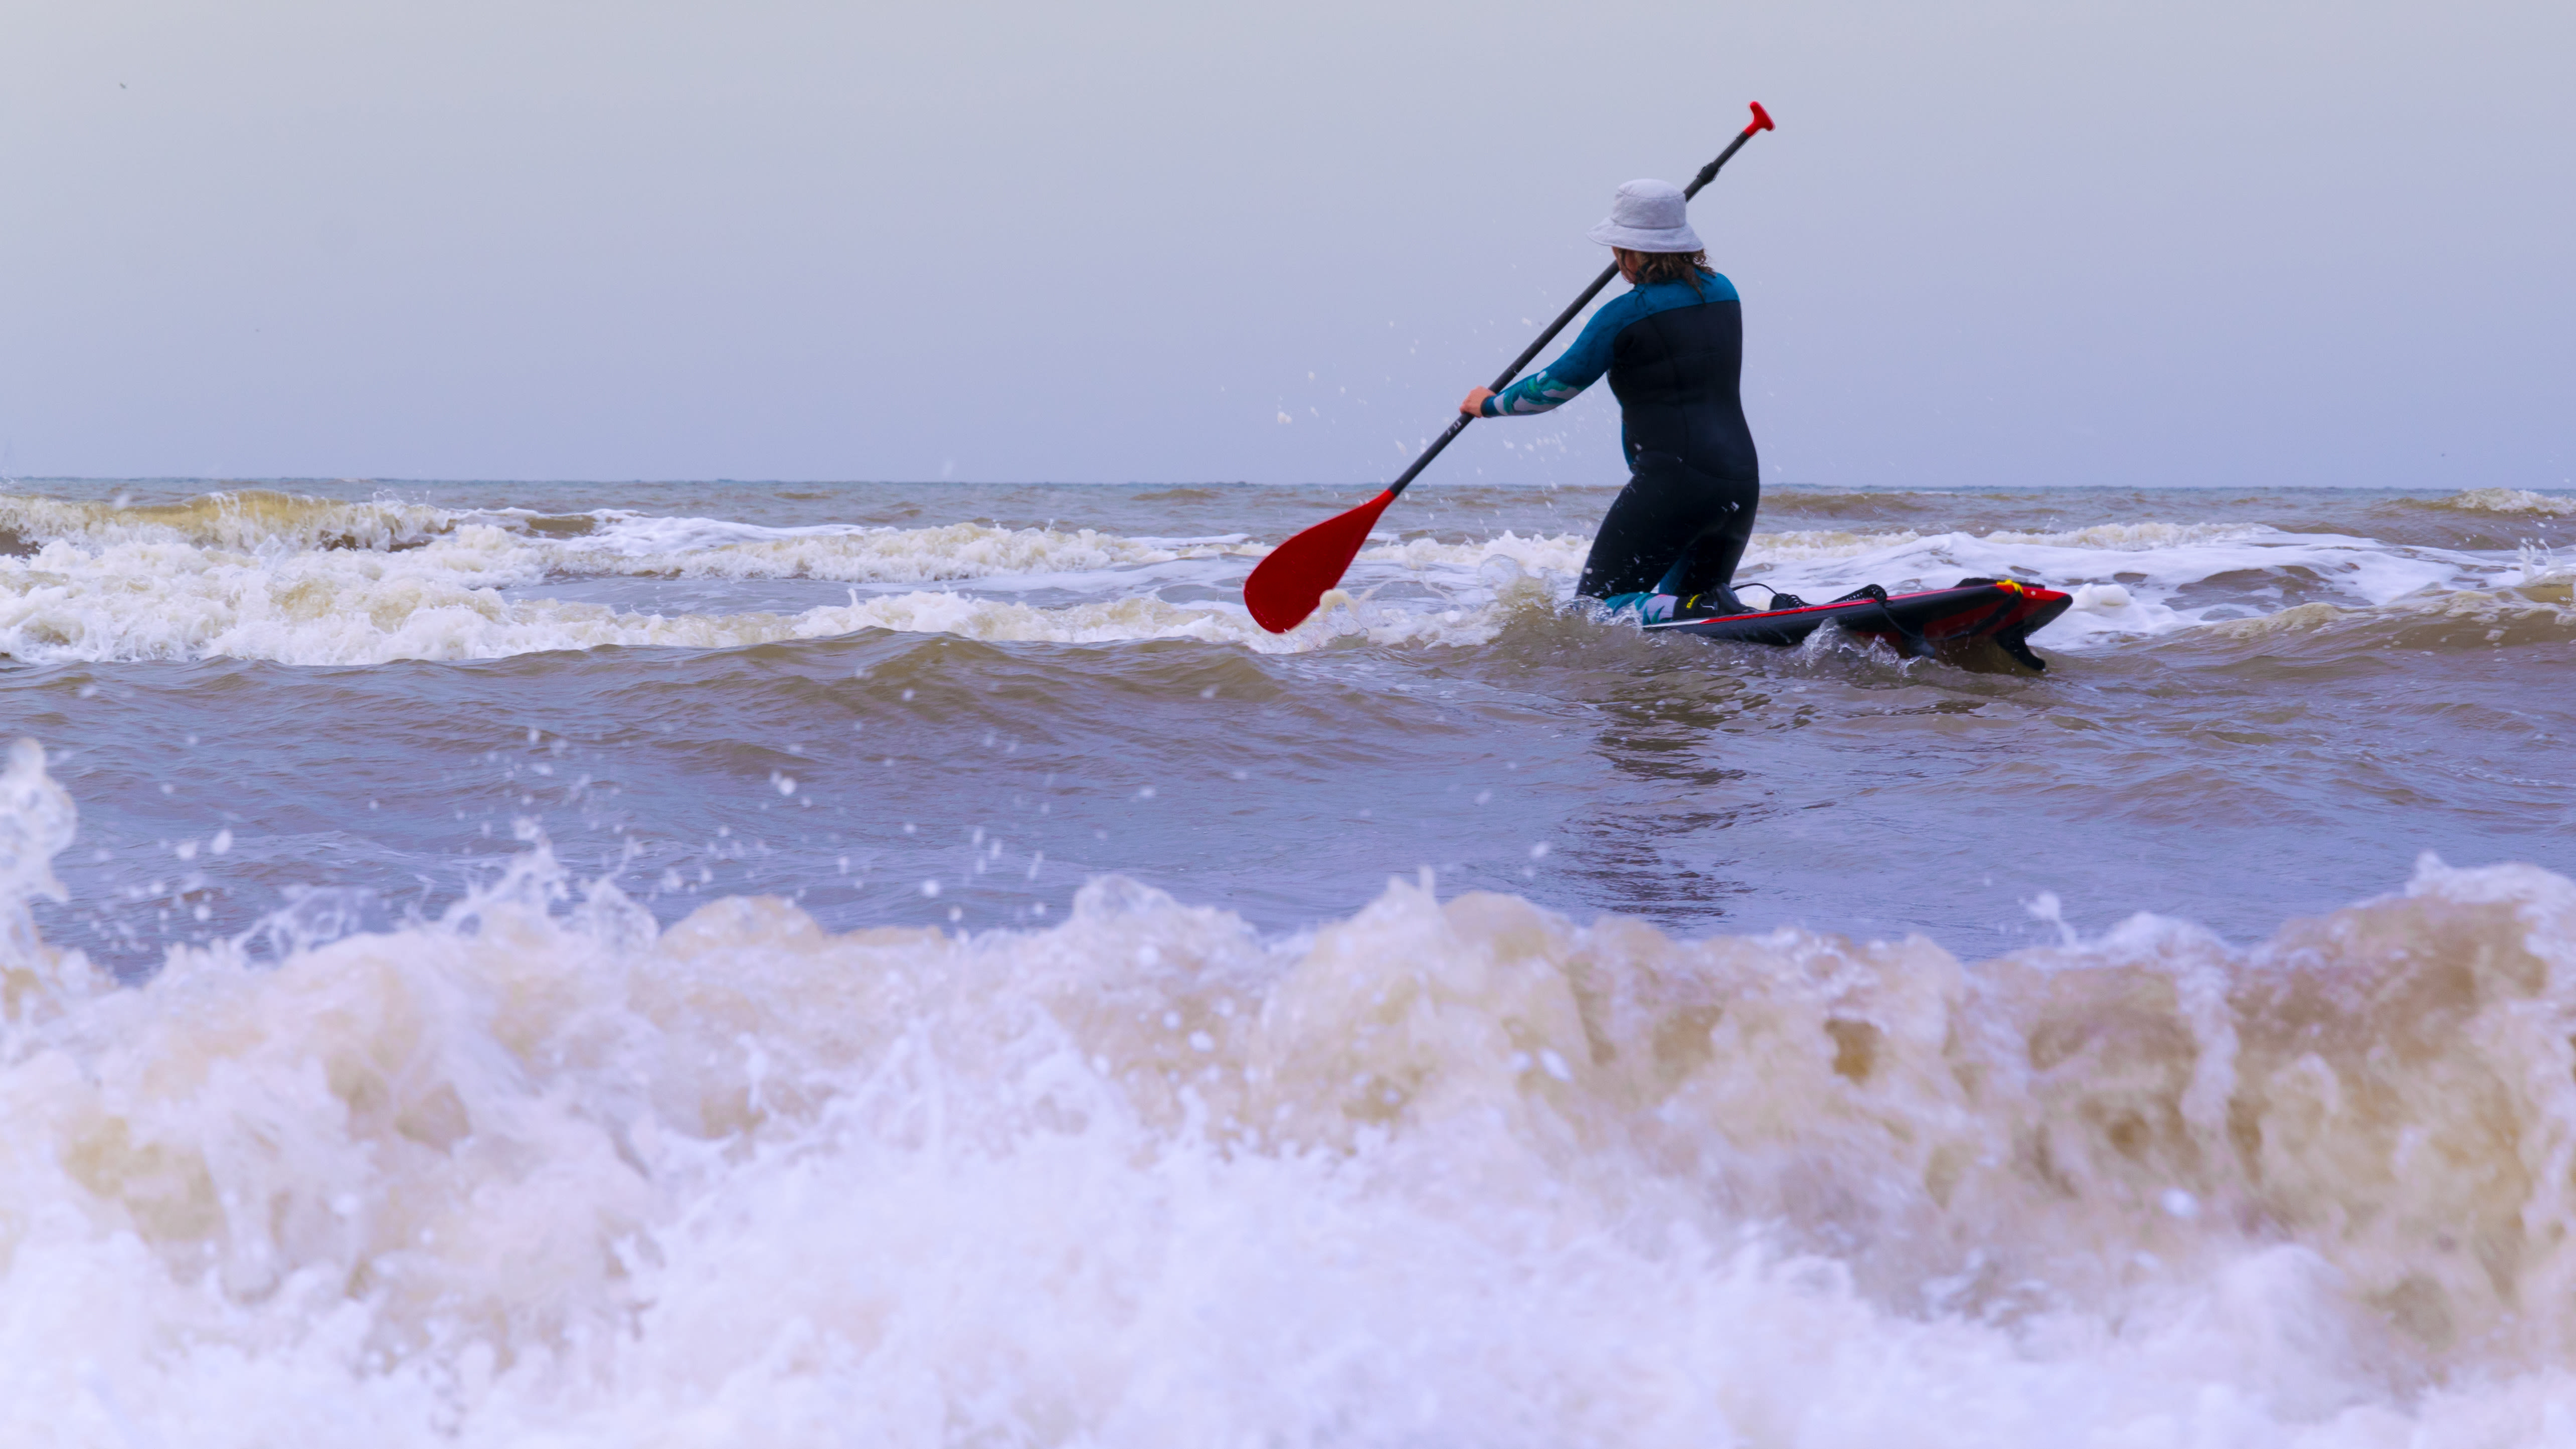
[1649, 216]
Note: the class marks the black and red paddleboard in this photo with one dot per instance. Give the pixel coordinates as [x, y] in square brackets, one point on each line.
[1946, 623]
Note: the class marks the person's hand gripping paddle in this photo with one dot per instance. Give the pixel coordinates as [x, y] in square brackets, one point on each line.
[1286, 586]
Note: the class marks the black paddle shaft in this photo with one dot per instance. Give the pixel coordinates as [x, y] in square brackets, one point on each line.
[1707, 173]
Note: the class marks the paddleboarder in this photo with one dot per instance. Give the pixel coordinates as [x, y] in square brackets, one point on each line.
[1673, 346]
[1676, 384]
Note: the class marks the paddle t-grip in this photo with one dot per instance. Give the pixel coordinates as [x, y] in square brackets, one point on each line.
[1761, 122]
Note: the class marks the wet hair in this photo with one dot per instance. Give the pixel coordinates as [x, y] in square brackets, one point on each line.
[1671, 267]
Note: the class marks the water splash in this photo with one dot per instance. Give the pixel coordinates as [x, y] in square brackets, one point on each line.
[1452, 1170]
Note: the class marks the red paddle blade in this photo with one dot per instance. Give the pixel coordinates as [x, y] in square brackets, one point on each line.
[1285, 587]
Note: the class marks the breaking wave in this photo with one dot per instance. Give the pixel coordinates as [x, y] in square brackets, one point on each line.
[153, 603]
[242, 520]
[1459, 1171]
[309, 581]
[2506, 500]
[704, 548]
[2537, 612]
[520, 546]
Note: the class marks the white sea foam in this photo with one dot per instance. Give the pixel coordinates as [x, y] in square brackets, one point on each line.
[1453, 1172]
[714, 549]
[306, 581]
[248, 519]
[148, 593]
[612, 542]
[2154, 566]
[1559, 553]
[453, 600]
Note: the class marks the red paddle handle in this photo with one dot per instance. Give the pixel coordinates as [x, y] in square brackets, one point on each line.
[1761, 122]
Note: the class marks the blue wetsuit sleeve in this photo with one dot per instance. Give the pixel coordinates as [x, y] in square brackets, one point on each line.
[1556, 384]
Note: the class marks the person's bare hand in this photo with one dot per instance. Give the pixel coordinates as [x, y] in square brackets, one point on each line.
[1474, 406]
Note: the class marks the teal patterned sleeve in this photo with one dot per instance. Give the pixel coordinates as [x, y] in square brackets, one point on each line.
[1537, 393]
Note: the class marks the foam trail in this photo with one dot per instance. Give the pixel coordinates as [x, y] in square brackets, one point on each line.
[1446, 1171]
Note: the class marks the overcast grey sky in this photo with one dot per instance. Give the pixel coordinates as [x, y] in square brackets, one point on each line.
[1993, 241]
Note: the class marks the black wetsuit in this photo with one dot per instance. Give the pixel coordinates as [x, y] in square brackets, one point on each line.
[1673, 353]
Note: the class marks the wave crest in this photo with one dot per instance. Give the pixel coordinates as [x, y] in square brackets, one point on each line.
[247, 520]
[2506, 500]
[2512, 616]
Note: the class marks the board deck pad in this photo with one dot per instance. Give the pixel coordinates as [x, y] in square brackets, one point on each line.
[1938, 623]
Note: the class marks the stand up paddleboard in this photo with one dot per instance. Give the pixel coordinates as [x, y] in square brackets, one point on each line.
[1943, 623]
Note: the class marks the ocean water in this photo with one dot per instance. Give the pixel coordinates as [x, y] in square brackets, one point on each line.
[678, 964]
